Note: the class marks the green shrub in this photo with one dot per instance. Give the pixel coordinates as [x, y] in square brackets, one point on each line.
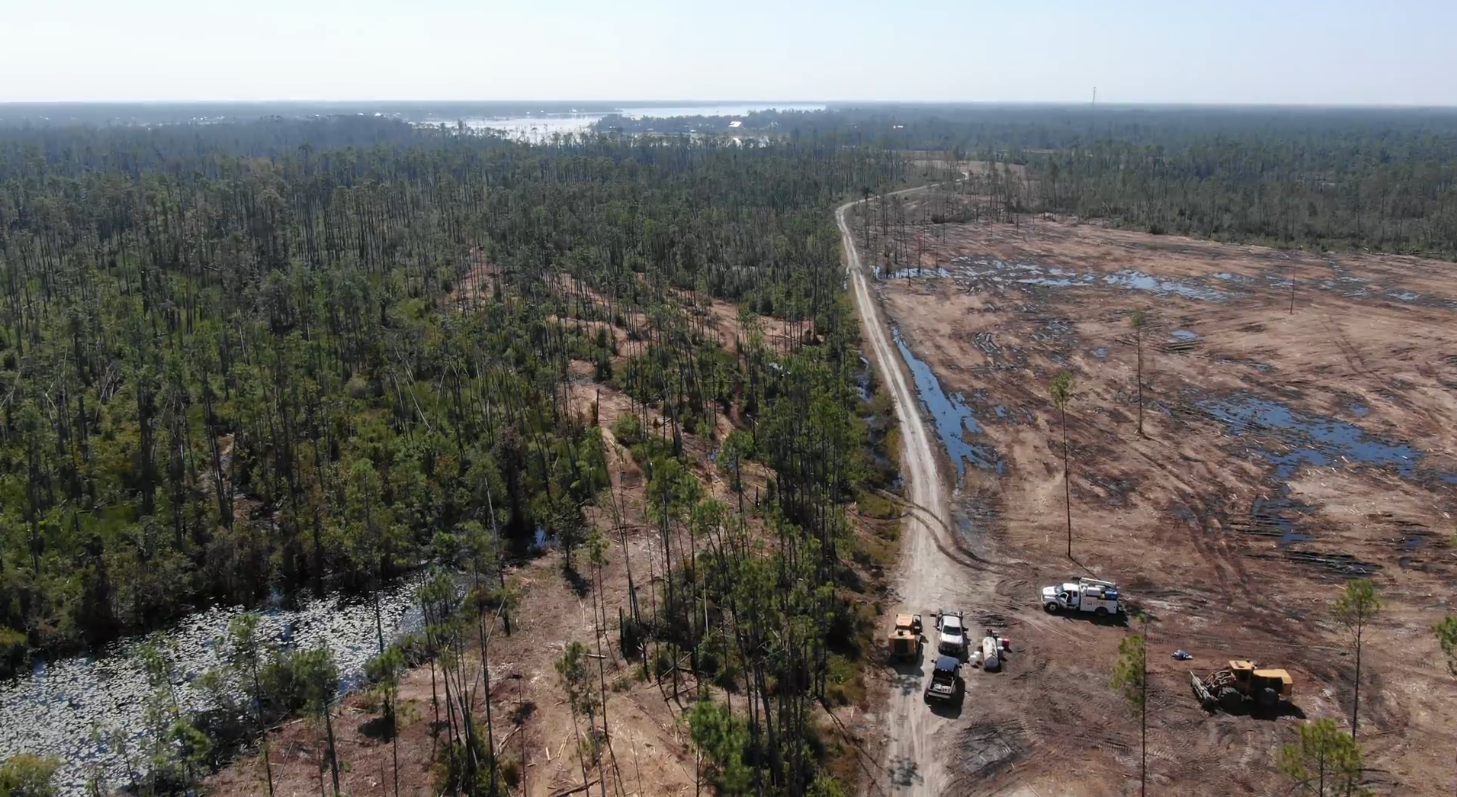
[628, 430]
[28, 776]
[842, 682]
[297, 681]
[14, 647]
[509, 770]
[663, 662]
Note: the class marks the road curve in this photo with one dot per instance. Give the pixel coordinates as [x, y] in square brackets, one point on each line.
[913, 764]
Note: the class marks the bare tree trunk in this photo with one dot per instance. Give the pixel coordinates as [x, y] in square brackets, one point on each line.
[262, 730]
[1143, 715]
[1356, 701]
[333, 751]
[1067, 487]
[1139, 333]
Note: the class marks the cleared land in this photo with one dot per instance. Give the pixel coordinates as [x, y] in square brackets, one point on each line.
[1283, 453]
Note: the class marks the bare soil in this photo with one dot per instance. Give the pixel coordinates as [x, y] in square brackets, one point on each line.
[1283, 453]
[532, 723]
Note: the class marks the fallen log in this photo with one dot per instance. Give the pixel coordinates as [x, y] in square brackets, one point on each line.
[573, 790]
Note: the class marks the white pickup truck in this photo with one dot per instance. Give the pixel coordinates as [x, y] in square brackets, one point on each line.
[1085, 595]
[951, 639]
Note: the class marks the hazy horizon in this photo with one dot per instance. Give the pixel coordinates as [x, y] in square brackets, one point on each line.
[1240, 52]
[556, 105]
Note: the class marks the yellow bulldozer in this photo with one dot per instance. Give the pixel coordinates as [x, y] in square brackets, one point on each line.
[903, 643]
[1242, 684]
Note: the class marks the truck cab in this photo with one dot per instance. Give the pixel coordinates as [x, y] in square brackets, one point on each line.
[1084, 595]
[946, 684]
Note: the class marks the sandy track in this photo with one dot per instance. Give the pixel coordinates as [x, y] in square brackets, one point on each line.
[913, 763]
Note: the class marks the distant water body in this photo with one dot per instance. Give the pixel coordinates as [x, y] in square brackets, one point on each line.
[545, 125]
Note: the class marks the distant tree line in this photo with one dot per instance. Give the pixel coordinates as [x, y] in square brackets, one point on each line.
[1343, 178]
[58, 115]
[1391, 193]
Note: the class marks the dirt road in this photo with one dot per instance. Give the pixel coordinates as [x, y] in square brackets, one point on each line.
[913, 763]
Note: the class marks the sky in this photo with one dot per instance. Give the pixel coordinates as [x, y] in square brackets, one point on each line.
[1332, 52]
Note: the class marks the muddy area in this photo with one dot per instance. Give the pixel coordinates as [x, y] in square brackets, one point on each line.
[1284, 451]
[953, 419]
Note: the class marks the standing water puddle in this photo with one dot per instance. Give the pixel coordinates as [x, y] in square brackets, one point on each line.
[54, 710]
[1000, 272]
[909, 273]
[951, 414]
[1139, 281]
[1311, 439]
[1302, 440]
[862, 380]
[1410, 546]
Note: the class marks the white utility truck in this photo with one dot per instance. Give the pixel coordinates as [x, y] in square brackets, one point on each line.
[1084, 595]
